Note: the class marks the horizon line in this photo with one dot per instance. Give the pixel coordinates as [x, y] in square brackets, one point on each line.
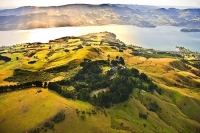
[15, 7]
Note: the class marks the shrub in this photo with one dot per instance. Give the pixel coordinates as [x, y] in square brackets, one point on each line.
[48, 125]
[144, 116]
[154, 107]
[94, 112]
[80, 46]
[31, 62]
[83, 117]
[113, 47]
[35, 131]
[144, 125]
[59, 117]
[77, 111]
[66, 50]
[39, 91]
[83, 112]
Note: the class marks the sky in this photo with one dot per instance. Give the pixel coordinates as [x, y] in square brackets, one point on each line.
[18, 3]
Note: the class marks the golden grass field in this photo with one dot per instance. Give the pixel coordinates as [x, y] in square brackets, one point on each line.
[25, 109]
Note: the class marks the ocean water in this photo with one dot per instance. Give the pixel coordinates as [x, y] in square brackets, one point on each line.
[160, 38]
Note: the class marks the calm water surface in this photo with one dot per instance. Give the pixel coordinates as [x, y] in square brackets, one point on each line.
[161, 37]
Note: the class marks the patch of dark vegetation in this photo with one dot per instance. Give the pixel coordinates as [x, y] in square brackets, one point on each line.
[94, 112]
[78, 47]
[195, 64]
[58, 88]
[67, 50]
[24, 76]
[83, 117]
[96, 50]
[30, 53]
[91, 78]
[143, 116]
[77, 111]
[179, 65]
[154, 107]
[86, 60]
[88, 44]
[39, 91]
[35, 130]
[112, 44]
[114, 47]
[21, 86]
[100, 62]
[59, 117]
[121, 50]
[196, 72]
[117, 61]
[154, 55]
[64, 38]
[121, 46]
[64, 68]
[3, 52]
[5, 58]
[121, 124]
[49, 125]
[83, 114]
[32, 62]
[50, 53]
[45, 84]
[144, 125]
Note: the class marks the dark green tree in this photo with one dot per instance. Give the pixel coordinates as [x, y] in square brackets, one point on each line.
[135, 72]
[84, 94]
[143, 77]
[121, 61]
[114, 62]
[45, 84]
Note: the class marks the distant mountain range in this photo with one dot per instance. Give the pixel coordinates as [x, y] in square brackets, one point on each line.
[86, 15]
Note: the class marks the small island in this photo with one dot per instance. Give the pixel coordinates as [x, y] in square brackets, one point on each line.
[190, 30]
[149, 26]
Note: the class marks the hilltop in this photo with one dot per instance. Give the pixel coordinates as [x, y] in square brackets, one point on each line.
[51, 87]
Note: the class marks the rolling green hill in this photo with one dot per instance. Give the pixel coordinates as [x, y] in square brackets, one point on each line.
[172, 107]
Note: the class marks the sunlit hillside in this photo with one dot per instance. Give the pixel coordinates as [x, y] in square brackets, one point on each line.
[167, 99]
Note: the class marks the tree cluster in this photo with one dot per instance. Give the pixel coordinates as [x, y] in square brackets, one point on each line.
[5, 58]
[117, 61]
[78, 47]
[91, 78]
[20, 86]
[58, 88]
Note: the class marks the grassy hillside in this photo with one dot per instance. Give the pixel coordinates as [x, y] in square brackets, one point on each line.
[176, 109]
[30, 110]
[26, 109]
